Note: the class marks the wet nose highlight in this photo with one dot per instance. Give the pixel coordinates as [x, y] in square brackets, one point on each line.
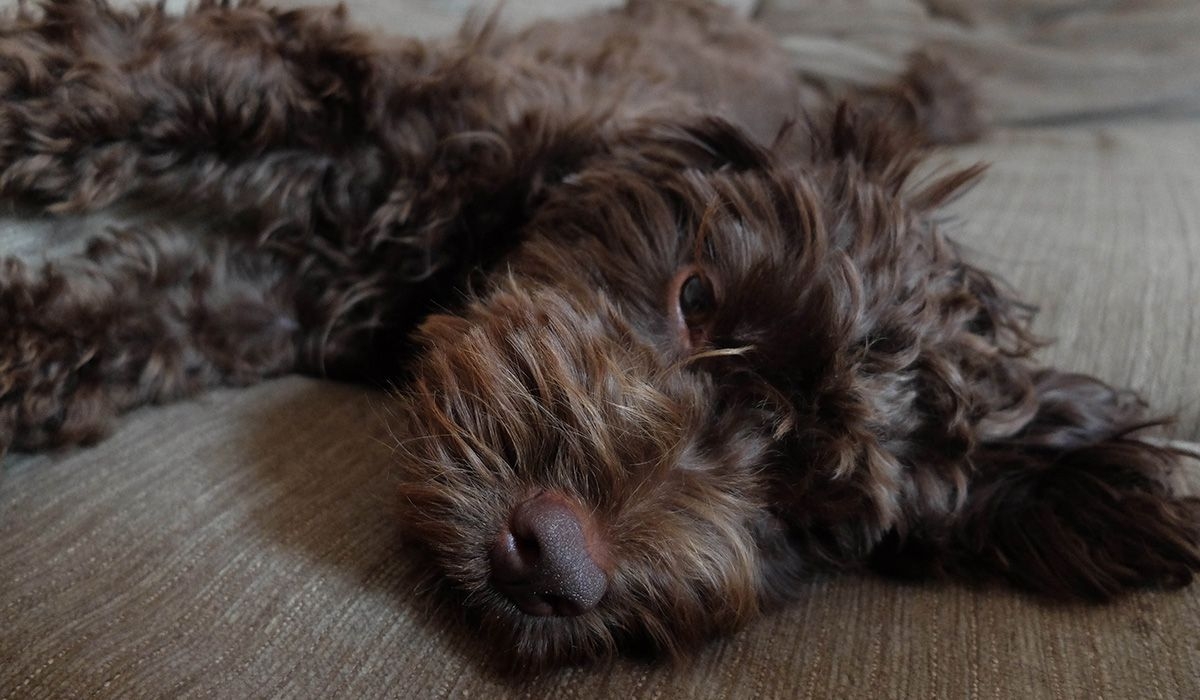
[540, 559]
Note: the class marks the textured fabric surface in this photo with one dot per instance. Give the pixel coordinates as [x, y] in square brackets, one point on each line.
[441, 17]
[243, 545]
[1036, 61]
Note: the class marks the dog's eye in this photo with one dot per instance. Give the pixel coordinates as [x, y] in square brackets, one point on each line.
[696, 300]
[692, 304]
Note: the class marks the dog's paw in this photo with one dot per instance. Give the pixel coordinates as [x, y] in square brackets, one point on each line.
[48, 406]
[49, 392]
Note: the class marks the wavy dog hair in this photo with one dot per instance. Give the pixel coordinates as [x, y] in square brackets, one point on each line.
[635, 262]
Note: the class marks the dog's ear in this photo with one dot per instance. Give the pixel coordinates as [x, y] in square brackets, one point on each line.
[456, 217]
[467, 196]
[1072, 505]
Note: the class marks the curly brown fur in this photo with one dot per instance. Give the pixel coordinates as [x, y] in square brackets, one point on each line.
[503, 224]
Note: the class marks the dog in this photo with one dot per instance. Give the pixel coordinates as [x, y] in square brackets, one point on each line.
[671, 329]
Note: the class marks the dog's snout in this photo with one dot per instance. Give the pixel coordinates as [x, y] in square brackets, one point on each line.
[541, 559]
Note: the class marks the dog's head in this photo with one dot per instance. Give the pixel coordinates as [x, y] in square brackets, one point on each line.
[692, 384]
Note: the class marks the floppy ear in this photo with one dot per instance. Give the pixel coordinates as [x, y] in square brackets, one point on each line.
[992, 467]
[1072, 505]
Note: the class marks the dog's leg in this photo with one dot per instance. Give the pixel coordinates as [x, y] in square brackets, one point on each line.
[140, 317]
[1074, 505]
[243, 107]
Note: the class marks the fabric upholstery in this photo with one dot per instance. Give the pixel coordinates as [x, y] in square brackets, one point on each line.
[242, 544]
[1035, 61]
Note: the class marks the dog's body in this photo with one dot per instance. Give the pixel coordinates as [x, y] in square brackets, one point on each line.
[670, 336]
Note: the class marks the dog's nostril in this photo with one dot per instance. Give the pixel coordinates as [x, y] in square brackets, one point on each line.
[514, 558]
[528, 548]
[541, 560]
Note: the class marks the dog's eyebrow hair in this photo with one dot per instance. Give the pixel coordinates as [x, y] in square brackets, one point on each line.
[705, 225]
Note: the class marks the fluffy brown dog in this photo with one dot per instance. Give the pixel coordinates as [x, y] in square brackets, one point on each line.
[667, 343]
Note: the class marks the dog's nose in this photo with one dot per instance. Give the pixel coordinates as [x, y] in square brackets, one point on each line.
[541, 562]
